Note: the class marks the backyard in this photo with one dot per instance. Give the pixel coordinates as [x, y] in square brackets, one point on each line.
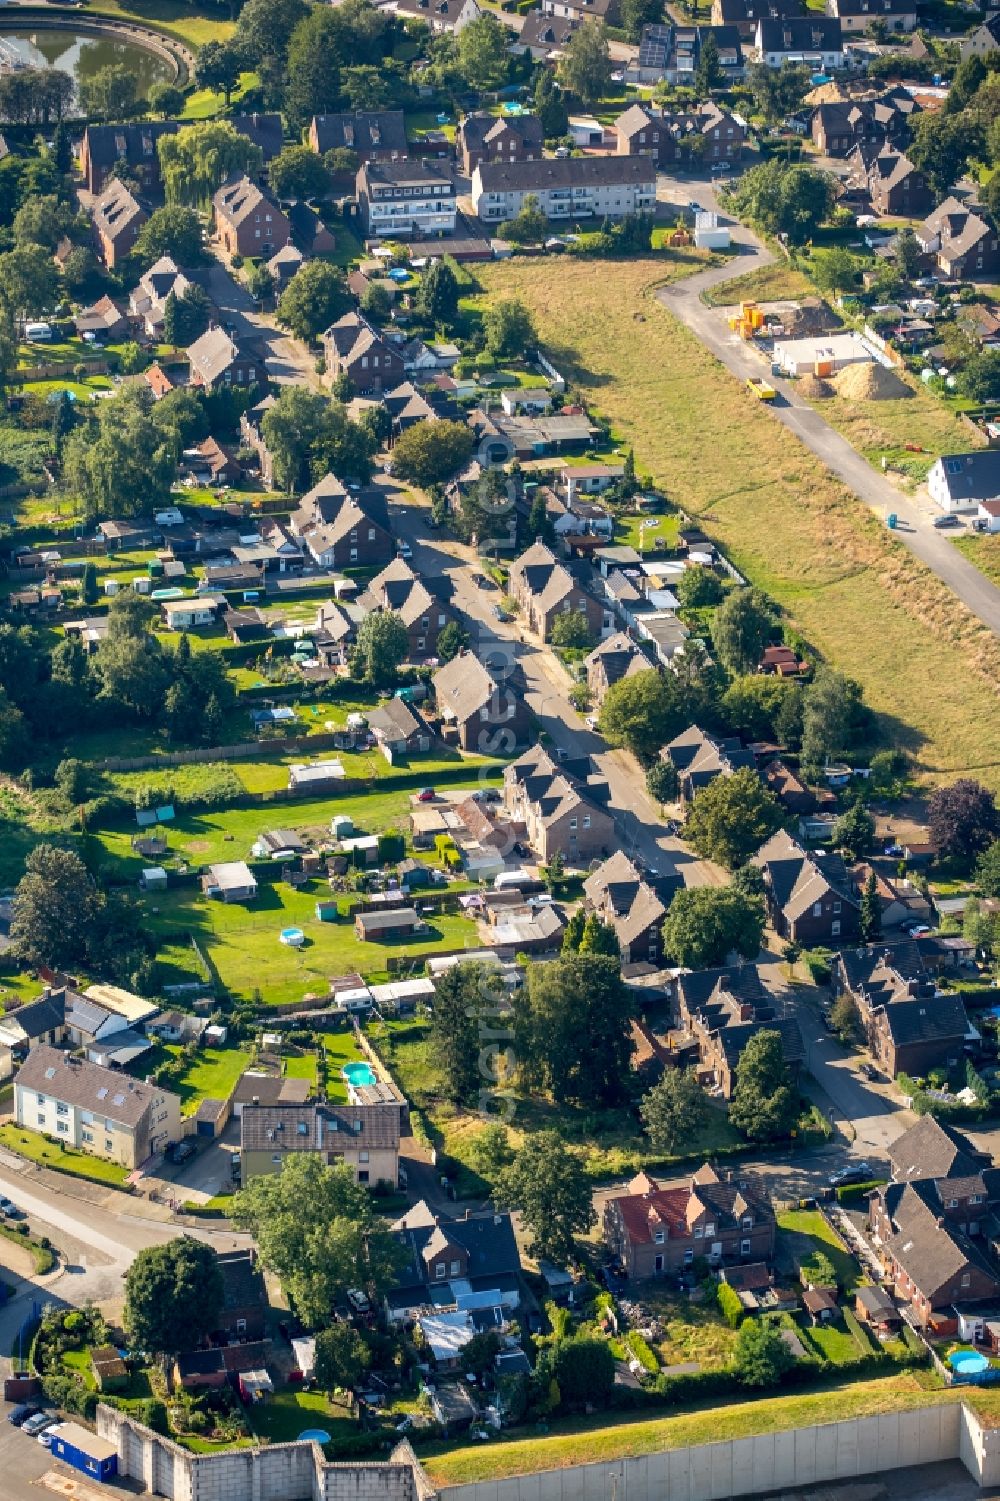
[805, 1232]
[211, 1074]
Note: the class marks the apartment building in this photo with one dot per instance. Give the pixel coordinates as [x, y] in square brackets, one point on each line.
[94, 1109]
[407, 198]
[574, 188]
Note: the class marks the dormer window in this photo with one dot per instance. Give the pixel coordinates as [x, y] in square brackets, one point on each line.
[658, 1237]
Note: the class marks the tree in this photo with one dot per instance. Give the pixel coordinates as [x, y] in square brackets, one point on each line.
[185, 318]
[529, 226]
[491, 1150]
[342, 1357]
[88, 584]
[585, 66]
[833, 713]
[112, 93]
[963, 820]
[979, 927]
[428, 453]
[129, 664]
[483, 58]
[437, 294]
[218, 68]
[675, 1111]
[165, 100]
[765, 1104]
[979, 377]
[761, 1356]
[451, 640]
[708, 74]
[907, 254]
[466, 993]
[310, 435]
[54, 903]
[570, 631]
[845, 1019]
[741, 628]
[124, 467]
[313, 299]
[706, 923]
[967, 79]
[784, 198]
[854, 831]
[837, 270]
[698, 587]
[871, 910]
[508, 329]
[29, 279]
[316, 1229]
[583, 1369]
[297, 172]
[173, 1295]
[265, 29]
[941, 147]
[550, 106]
[662, 782]
[732, 817]
[573, 932]
[599, 937]
[988, 870]
[572, 1021]
[199, 158]
[42, 220]
[380, 646]
[72, 779]
[752, 704]
[316, 54]
[549, 1187]
[641, 713]
[172, 230]
[777, 91]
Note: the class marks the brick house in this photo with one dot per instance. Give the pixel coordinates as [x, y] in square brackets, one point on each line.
[116, 218]
[445, 1258]
[353, 347]
[613, 659]
[364, 1138]
[910, 1025]
[655, 1229]
[896, 186]
[247, 221]
[721, 1009]
[933, 1264]
[374, 135]
[244, 1300]
[557, 804]
[342, 528]
[487, 715]
[810, 897]
[424, 615]
[217, 359]
[964, 244]
[698, 758]
[132, 148]
[621, 896]
[544, 589]
[744, 14]
[483, 137]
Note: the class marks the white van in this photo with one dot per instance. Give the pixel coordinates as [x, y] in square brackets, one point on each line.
[38, 333]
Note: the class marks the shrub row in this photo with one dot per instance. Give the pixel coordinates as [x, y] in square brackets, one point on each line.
[852, 1192]
[730, 1307]
[639, 1347]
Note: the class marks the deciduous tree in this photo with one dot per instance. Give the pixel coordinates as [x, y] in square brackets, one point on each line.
[297, 172]
[508, 328]
[642, 713]
[761, 1357]
[963, 819]
[705, 923]
[199, 158]
[675, 1111]
[482, 52]
[741, 628]
[313, 299]
[732, 817]
[428, 453]
[548, 1186]
[765, 1104]
[54, 903]
[173, 1295]
[172, 230]
[572, 1023]
[585, 66]
[380, 646]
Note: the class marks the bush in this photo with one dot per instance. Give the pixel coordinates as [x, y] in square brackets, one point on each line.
[730, 1307]
[642, 1352]
[851, 1192]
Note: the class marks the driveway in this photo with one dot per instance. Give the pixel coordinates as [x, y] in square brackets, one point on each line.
[547, 692]
[915, 530]
[288, 362]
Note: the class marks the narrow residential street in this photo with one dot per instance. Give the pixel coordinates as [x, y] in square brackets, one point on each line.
[288, 362]
[915, 530]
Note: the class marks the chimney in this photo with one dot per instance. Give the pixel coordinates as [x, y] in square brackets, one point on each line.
[256, 1099]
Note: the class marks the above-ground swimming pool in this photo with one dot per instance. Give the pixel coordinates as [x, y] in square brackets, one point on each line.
[294, 937]
[968, 1362]
[319, 1435]
[358, 1074]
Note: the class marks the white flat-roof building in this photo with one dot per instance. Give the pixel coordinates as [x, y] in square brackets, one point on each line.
[823, 355]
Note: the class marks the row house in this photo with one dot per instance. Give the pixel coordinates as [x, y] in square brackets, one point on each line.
[130, 150]
[439, 15]
[669, 53]
[721, 1009]
[810, 896]
[483, 137]
[556, 803]
[963, 243]
[655, 1228]
[219, 359]
[893, 184]
[544, 589]
[544, 37]
[480, 705]
[399, 590]
[376, 135]
[698, 758]
[841, 125]
[93, 1109]
[443, 1260]
[910, 1025]
[621, 896]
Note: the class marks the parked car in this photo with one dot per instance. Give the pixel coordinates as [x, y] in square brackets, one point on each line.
[404, 550]
[9, 1208]
[180, 1151]
[917, 929]
[945, 521]
[34, 1425]
[499, 613]
[45, 1437]
[20, 1414]
[718, 167]
[358, 1300]
[857, 1172]
[426, 795]
[870, 1072]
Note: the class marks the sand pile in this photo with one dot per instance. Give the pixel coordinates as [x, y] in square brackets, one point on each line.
[870, 382]
[814, 389]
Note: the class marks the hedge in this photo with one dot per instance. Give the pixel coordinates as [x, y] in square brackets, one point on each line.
[913, 1342]
[862, 1338]
[853, 1191]
[642, 1352]
[730, 1307]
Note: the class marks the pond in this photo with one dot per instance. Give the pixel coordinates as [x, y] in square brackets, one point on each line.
[83, 56]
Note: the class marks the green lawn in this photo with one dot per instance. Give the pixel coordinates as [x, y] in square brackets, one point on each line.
[32, 1145]
[290, 1411]
[812, 1234]
[340, 1048]
[211, 1075]
[174, 17]
[302, 1067]
[833, 1342]
[78, 1362]
[630, 532]
[205, 104]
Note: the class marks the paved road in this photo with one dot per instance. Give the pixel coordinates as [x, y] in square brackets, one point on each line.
[916, 530]
[547, 693]
[288, 362]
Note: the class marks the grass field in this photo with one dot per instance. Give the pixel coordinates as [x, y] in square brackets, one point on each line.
[211, 1075]
[929, 668]
[171, 16]
[982, 550]
[694, 1331]
[831, 1342]
[289, 1412]
[812, 1234]
[32, 1145]
[778, 282]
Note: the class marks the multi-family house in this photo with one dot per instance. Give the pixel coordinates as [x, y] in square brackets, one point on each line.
[247, 222]
[620, 895]
[439, 15]
[556, 803]
[861, 15]
[669, 53]
[342, 528]
[445, 1260]
[219, 359]
[364, 1138]
[810, 896]
[574, 187]
[745, 14]
[423, 613]
[482, 137]
[263, 129]
[615, 658]
[479, 704]
[412, 198]
[116, 218]
[148, 297]
[660, 1228]
[721, 1009]
[353, 347]
[910, 1024]
[544, 589]
[543, 37]
[374, 135]
[131, 149]
[94, 1109]
[816, 40]
[698, 758]
[896, 186]
[608, 11]
[964, 243]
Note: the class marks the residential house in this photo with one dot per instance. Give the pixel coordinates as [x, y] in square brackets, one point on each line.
[94, 1109]
[244, 1298]
[398, 729]
[399, 589]
[575, 187]
[721, 1009]
[354, 347]
[344, 529]
[460, 1262]
[810, 896]
[745, 14]
[374, 135]
[861, 15]
[247, 222]
[480, 706]
[984, 40]
[962, 482]
[407, 198]
[816, 40]
[218, 359]
[896, 186]
[148, 297]
[542, 37]
[106, 148]
[910, 1025]
[555, 801]
[575, 481]
[791, 791]
[186, 614]
[284, 265]
[669, 53]
[102, 321]
[407, 406]
[963, 243]
[621, 896]
[364, 1138]
[116, 218]
[841, 125]
[698, 758]
[483, 137]
[544, 589]
[608, 11]
[660, 1228]
[264, 130]
[42, 1020]
[439, 15]
[252, 433]
[615, 658]
[310, 233]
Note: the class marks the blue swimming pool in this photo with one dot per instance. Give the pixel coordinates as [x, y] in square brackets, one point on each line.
[293, 937]
[968, 1363]
[317, 1435]
[358, 1074]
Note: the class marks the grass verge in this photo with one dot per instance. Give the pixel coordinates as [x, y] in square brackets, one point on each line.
[48, 1154]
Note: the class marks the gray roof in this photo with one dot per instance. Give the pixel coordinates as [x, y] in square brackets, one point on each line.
[463, 686]
[271, 1089]
[238, 199]
[364, 131]
[801, 34]
[215, 351]
[318, 1128]
[929, 1251]
[932, 1149]
[44, 1014]
[568, 172]
[972, 476]
[86, 1085]
[394, 720]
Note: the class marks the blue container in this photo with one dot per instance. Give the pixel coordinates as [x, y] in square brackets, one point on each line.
[83, 1450]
